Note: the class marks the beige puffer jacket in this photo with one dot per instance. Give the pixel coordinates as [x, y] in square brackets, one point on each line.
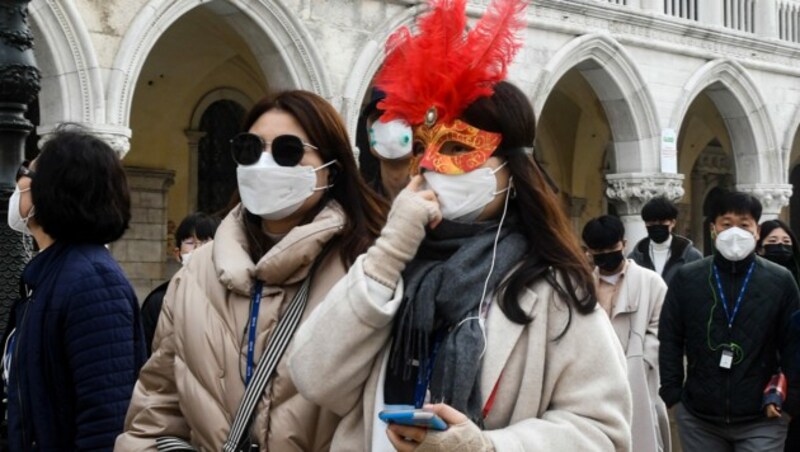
[192, 385]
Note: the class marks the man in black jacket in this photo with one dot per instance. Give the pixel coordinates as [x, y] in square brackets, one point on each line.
[730, 313]
[662, 251]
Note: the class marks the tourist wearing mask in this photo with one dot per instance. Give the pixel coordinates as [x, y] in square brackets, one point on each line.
[728, 316]
[662, 250]
[476, 302]
[778, 244]
[386, 147]
[632, 297]
[305, 216]
[194, 231]
[74, 344]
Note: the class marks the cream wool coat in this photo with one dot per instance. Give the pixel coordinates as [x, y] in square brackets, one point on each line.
[567, 394]
[635, 320]
[192, 385]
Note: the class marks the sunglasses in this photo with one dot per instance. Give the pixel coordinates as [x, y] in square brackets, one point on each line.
[287, 150]
[24, 171]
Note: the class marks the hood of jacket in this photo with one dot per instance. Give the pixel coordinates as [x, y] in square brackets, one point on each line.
[287, 262]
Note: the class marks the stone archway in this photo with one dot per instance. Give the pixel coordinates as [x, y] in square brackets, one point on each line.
[72, 85]
[633, 173]
[622, 91]
[281, 44]
[753, 140]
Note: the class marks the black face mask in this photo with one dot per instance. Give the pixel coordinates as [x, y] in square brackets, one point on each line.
[658, 233]
[779, 253]
[608, 261]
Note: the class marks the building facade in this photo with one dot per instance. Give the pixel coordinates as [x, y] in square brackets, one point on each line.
[634, 98]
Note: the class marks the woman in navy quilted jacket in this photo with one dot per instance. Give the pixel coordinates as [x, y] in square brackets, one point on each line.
[76, 346]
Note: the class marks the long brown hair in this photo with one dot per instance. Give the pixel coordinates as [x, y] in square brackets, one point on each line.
[554, 252]
[365, 211]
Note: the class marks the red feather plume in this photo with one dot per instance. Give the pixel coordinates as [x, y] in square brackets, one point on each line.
[442, 66]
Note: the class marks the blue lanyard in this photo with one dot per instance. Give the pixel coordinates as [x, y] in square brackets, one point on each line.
[251, 340]
[730, 316]
[424, 380]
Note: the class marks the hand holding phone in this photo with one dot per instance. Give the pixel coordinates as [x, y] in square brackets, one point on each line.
[416, 418]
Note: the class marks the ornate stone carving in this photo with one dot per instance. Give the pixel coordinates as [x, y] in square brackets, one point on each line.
[20, 39]
[773, 197]
[629, 192]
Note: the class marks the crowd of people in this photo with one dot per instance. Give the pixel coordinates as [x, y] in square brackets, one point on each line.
[432, 297]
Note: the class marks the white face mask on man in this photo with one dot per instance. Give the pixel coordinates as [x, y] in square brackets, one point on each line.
[391, 140]
[274, 192]
[735, 243]
[463, 197]
[15, 219]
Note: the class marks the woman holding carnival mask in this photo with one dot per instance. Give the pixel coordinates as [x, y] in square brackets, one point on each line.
[305, 216]
[475, 303]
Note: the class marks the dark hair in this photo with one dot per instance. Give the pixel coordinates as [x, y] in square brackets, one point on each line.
[368, 164]
[365, 210]
[201, 225]
[80, 192]
[553, 250]
[735, 202]
[603, 232]
[659, 209]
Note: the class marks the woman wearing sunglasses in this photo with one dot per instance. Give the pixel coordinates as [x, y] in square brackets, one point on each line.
[305, 215]
[74, 343]
[476, 303]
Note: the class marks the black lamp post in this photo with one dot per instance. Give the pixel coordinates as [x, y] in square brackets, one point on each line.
[19, 85]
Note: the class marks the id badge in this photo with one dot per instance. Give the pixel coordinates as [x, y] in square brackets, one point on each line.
[726, 360]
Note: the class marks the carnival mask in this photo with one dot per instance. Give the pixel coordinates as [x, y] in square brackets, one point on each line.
[429, 142]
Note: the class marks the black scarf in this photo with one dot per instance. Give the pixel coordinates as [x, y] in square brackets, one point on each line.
[443, 286]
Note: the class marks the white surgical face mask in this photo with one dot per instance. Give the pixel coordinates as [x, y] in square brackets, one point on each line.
[391, 140]
[185, 258]
[463, 197]
[735, 243]
[15, 219]
[274, 192]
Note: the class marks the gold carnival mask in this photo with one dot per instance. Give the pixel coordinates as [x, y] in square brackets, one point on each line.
[429, 142]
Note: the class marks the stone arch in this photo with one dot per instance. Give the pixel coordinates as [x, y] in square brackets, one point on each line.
[369, 60]
[287, 56]
[218, 94]
[789, 139]
[742, 107]
[622, 91]
[72, 86]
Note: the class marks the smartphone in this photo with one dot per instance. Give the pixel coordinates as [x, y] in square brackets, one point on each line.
[416, 418]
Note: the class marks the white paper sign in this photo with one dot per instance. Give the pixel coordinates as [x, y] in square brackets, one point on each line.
[669, 151]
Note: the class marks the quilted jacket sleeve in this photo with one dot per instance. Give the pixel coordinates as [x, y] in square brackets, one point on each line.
[154, 410]
[104, 353]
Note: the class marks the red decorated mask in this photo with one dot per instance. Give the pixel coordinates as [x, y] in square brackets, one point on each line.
[434, 146]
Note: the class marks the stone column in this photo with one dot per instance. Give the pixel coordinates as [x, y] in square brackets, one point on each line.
[193, 138]
[652, 5]
[710, 12]
[766, 18]
[577, 206]
[118, 137]
[630, 192]
[142, 250]
[773, 197]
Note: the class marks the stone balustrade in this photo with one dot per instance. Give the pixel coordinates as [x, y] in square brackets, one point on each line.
[777, 19]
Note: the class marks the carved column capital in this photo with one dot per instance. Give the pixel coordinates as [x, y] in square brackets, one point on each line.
[773, 197]
[630, 192]
[118, 137]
